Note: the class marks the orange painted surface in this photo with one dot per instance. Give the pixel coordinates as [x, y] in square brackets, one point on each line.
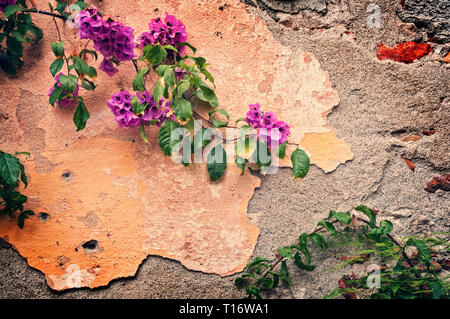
[325, 149]
[105, 184]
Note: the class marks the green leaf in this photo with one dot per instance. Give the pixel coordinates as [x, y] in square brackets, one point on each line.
[68, 83]
[61, 6]
[328, 226]
[19, 37]
[23, 3]
[81, 115]
[58, 48]
[201, 139]
[305, 252]
[298, 262]
[216, 163]
[91, 72]
[10, 10]
[165, 141]
[385, 228]
[9, 169]
[138, 108]
[281, 150]
[300, 163]
[24, 23]
[22, 216]
[86, 51]
[369, 213]
[138, 80]
[200, 61]
[158, 91]
[170, 47]
[155, 54]
[208, 76]
[56, 66]
[88, 85]
[182, 109]
[182, 87]
[216, 122]
[262, 155]
[207, 94]
[343, 217]
[188, 45]
[14, 46]
[143, 134]
[240, 162]
[286, 252]
[23, 176]
[424, 251]
[38, 34]
[436, 290]
[245, 147]
[284, 274]
[255, 262]
[169, 77]
[54, 96]
[160, 70]
[319, 240]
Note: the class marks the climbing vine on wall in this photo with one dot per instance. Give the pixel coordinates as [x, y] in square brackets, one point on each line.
[400, 276]
[12, 173]
[182, 81]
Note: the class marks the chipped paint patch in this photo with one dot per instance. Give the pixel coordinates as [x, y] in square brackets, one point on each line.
[111, 201]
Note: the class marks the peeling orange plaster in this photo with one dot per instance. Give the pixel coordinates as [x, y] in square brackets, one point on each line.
[126, 195]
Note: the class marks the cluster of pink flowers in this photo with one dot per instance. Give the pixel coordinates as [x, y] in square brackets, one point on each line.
[170, 31]
[4, 3]
[269, 129]
[111, 38]
[67, 101]
[120, 105]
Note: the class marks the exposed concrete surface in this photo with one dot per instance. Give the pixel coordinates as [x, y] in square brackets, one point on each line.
[381, 104]
[431, 16]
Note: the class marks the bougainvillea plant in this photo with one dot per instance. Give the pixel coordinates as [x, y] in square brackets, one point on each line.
[182, 81]
[12, 172]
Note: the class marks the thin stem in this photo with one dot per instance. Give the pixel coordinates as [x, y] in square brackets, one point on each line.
[54, 15]
[60, 39]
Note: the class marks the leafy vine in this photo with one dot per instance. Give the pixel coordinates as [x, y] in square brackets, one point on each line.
[407, 278]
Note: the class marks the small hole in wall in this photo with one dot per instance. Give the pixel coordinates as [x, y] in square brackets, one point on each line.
[44, 216]
[90, 246]
[67, 176]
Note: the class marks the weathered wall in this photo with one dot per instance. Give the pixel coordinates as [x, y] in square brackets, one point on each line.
[105, 184]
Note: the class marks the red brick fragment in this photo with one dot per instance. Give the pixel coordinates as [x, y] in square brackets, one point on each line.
[411, 138]
[428, 133]
[411, 165]
[442, 182]
[406, 52]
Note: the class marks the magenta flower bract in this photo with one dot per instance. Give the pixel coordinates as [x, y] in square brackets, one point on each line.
[170, 31]
[269, 129]
[108, 67]
[111, 38]
[67, 101]
[120, 105]
[4, 3]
